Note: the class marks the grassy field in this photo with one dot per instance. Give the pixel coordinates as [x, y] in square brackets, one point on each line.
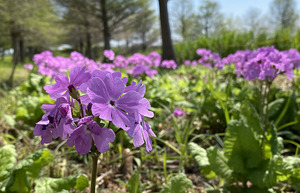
[20, 75]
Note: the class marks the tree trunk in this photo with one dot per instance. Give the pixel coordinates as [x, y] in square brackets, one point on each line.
[22, 50]
[167, 47]
[106, 32]
[144, 42]
[30, 53]
[3, 54]
[81, 46]
[89, 49]
[15, 36]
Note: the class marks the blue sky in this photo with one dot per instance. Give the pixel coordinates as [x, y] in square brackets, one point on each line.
[236, 7]
[239, 7]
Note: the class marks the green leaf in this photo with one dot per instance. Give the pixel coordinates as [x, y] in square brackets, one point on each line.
[199, 154]
[81, 183]
[134, 185]
[10, 120]
[221, 97]
[275, 107]
[27, 167]
[18, 182]
[201, 158]
[218, 162]
[251, 117]
[274, 170]
[295, 178]
[241, 147]
[21, 113]
[283, 111]
[35, 162]
[8, 158]
[179, 184]
[295, 183]
[276, 142]
[53, 185]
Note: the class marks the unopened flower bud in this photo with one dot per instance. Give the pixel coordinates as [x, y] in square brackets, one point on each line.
[73, 92]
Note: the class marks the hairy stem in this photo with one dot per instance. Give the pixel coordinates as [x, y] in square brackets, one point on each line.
[94, 173]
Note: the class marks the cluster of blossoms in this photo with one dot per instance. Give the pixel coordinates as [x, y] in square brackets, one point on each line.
[191, 63]
[264, 63]
[178, 112]
[109, 54]
[49, 65]
[104, 95]
[207, 58]
[137, 64]
[169, 64]
[28, 66]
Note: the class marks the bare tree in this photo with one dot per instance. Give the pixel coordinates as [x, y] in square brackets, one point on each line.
[183, 18]
[283, 13]
[254, 21]
[26, 20]
[209, 16]
[144, 27]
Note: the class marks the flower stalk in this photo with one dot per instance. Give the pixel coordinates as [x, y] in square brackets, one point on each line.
[94, 172]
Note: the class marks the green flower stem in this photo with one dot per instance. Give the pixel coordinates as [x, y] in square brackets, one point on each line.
[94, 173]
[109, 124]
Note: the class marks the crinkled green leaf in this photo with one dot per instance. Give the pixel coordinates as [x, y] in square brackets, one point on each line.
[293, 161]
[35, 162]
[251, 118]
[18, 182]
[81, 183]
[201, 158]
[295, 178]
[199, 154]
[54, 185]
[134, 185]
[274, 170]
[276, 142]
[218, 162]
[178, 184]
[8, 158]
[21, 113]
[241, 147]
[9, 119]
[275, 107]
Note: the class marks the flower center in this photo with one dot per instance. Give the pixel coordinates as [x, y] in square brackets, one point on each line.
[51, 119]
[44, 127]
[112, 103]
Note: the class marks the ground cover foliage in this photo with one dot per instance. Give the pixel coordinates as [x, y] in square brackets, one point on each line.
[219, 128]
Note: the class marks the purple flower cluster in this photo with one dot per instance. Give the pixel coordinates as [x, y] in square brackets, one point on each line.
[143, 69]
[98, 94]
[207, 58]
[109, 54]
[169, 64]
[49, 65]
[264, 63]
[178, 112]
[137, 64]
[191, 63]
[28, 66]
